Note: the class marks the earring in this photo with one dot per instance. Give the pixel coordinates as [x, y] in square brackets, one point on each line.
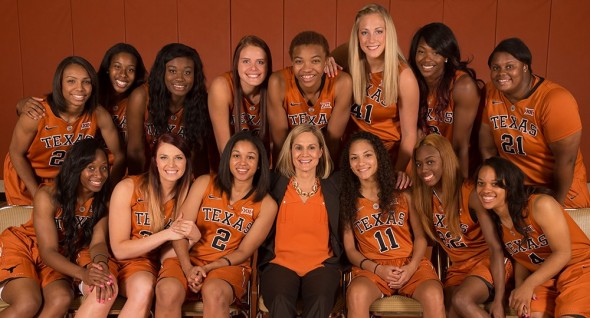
[446, 60]
[524, 69]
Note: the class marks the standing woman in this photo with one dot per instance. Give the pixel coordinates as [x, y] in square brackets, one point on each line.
[449, 209]
[449, 92]
[381, 233]
[234, 216]
[302, 93]
[38, 147]
[303, 254]
[551, 252]
[174, 100]
[65, 239]
[385, 90]
[141, 216]
[535, 124]
[237, 99]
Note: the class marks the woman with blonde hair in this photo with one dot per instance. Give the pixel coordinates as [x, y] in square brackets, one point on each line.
[303, 254]
[385, 90]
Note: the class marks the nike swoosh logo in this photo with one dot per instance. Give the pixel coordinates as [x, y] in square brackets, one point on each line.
[212, 197]
[50, 127]
[294, 104]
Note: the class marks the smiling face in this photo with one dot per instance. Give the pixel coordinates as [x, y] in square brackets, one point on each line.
[243, 162]
[180, 76]
[491, 195]
[429, 62]
[252, 66]
[306, 152]
[76, 86]
[429, 165]
[371, 34]
[96, 173]
[363, 160]
[510, 76]
[171, 162]
[122, 71]
[308, 64]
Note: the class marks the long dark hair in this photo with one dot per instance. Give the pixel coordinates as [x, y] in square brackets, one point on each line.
[261, 181]
[250, 40]
[56, 99]
[196, 116]
[65, 196]
[351, 185]
[441, 39]
[510, 178]
[107, 92]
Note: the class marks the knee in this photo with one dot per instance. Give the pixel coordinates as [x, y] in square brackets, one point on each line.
[356, 298]
[60, 302]
[461, 299]
[140, 293]
[215, 296]
[27, 306]
[169, 292]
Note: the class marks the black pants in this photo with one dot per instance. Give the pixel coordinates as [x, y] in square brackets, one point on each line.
[280, 287]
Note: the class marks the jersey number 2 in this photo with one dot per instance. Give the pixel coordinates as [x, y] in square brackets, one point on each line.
[220, 241]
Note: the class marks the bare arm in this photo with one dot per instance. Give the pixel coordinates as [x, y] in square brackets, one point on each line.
[466, 98]
[487, 146]
[136, 109]
[496, 253]
[409, 96]
[220, 99]
[277, 116]
[565, 152]
[340, 113]
[123, 246]
[111, 138]
[22, 138]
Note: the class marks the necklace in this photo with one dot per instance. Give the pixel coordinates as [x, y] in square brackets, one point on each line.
[313, 191]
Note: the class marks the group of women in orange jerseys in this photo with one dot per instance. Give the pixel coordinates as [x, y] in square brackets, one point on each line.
[187, 219]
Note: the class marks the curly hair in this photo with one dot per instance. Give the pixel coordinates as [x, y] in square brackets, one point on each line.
[65, 195]
[510, 178]
[441, 39]
[309, 38]
[106, 92]
[56, 99]
[251, 40]
[451, 181]
[350, 191]
[261, 180]
[196, 115]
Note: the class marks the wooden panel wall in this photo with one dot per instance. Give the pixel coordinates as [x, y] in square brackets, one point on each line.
[37, 34]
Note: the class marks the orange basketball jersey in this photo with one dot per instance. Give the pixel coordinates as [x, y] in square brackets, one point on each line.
[471, 243]
[47, 151]
[297, 108]
[532, 252]
[523, 131]
[249, 113]
[140, 217]
[383, 238]
[442, 124]
[223, 225]
[119, 114]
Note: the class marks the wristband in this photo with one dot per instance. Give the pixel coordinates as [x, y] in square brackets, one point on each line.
[100, 254]
[375, 270]
[227, 260]
[361, 264]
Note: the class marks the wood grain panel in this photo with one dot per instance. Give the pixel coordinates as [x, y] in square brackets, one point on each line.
[528, 20]
[151, 24]
[568, 62]
[46, 39]
[409, 16]
[473, 23]
[262, 18]
[205, 26]
[97, 25]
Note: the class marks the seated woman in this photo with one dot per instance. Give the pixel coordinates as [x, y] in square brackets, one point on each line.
[141, 221]
[382, 235]
[449, 92]
[551, 252]
[174, 100]
[234, 216]
[546, 143]
[302, 93]
[238, 99]
[303, 254]
[448, 209]
[65, 239]
[38, 147]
